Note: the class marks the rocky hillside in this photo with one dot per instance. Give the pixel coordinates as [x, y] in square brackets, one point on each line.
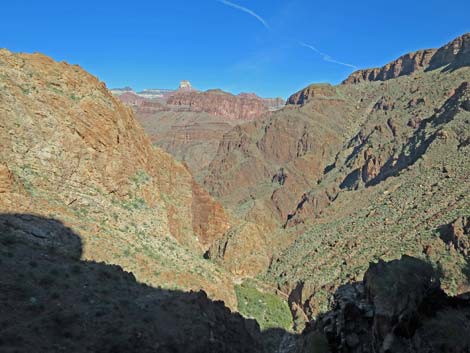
[322, 179]
[72, 151]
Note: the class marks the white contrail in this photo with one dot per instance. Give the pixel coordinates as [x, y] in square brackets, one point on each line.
[248, 11]
[324, 56]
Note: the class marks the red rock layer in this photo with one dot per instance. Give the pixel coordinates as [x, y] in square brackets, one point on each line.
[220, 103]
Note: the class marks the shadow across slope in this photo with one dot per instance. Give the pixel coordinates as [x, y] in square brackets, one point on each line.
[51, 301]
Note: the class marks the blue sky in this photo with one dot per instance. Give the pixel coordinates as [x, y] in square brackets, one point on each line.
[271, 47]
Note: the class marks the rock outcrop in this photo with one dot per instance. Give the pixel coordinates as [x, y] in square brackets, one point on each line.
[185, 86]
[457, 234]
[243, 250]
[191, 124]
[132, 99]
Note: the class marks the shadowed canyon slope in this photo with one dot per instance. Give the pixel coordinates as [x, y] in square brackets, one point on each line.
[73, 151]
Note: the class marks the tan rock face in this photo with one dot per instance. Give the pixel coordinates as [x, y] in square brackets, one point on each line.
[193, 123]
[271, 103]
[80, 156]
[132, 99]
[192, 137]
[297, 139]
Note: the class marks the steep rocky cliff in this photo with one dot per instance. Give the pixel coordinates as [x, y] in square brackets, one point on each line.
[454, 55]
[191, 137]
[271, 103]
[325, 91]
[72, 151]
[404, 65]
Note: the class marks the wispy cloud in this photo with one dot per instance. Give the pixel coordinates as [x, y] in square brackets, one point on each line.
[248, 11]
[326, 57]
[265, 23]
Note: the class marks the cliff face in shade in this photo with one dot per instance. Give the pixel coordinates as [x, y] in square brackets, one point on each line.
[72, 150]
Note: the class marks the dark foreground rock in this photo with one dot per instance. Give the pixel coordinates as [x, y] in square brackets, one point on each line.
[399, 307]
[51, 301]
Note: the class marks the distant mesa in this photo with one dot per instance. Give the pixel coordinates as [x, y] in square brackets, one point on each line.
[119, 91]
[155, 93]
[185, 86]
[131, 97]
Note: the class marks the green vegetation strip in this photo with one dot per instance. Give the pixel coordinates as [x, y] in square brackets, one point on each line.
[268, 309]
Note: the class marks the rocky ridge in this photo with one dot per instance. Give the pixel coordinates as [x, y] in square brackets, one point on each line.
[455, 54]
